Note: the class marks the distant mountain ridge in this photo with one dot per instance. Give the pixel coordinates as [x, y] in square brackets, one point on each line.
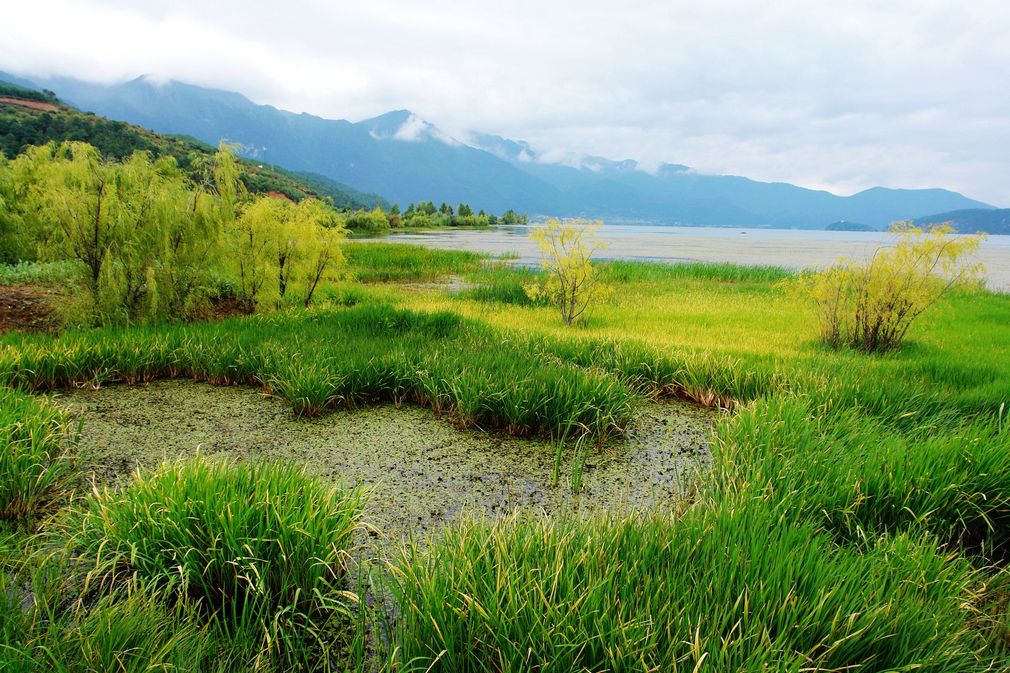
[406, 159]
[992, 221]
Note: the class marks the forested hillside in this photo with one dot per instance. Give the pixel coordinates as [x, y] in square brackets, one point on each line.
[32, 117]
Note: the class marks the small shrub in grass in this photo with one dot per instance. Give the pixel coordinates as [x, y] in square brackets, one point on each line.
[35, 466]
[871, 306]
[570, 283]
[262, 547]
[723, 589]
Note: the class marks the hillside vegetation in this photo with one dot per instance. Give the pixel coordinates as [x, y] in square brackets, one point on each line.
[973, 220]
[22, 126]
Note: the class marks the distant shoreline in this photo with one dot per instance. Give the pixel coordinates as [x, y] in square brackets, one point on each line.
[794, 249]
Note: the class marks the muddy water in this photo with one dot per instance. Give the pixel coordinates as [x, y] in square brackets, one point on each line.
[421, 470]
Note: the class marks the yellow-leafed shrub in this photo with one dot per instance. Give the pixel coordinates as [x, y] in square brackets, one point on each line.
[870, 306]
[572, 282]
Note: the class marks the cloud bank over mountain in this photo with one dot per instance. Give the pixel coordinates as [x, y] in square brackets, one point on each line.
[841, 96]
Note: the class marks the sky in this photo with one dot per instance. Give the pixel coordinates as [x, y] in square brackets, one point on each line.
[840, 96]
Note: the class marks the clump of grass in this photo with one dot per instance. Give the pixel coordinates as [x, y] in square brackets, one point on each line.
[861, 478]
[653, 272]
[322, 360]
[386, 262]
[36, 467]
[48, 624]
[504, 285]
[723, 588]
[261, 548]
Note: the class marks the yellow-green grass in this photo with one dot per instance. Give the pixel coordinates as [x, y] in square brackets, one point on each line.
[758, 322]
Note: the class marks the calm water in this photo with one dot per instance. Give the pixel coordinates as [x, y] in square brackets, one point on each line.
[790, 248]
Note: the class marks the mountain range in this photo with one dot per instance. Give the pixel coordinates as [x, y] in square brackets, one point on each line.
[407, 159]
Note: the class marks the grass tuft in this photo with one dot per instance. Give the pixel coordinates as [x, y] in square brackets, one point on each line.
[260, 548]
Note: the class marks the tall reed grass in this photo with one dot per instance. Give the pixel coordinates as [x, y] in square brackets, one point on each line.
[260, 549]
[719, 588]
[342, 358]
[36, 463]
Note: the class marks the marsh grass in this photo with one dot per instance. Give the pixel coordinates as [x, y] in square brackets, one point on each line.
[36, 463]
[862, 479]
[128, 632]
[396, 262]
[857, 514]
[260, 550]
[642, 272]
[342, 358]
[717, 588]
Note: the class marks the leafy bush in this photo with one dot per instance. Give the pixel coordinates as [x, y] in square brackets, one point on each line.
[572, 283]
[261, 548]
[35, 466]
[871, 306]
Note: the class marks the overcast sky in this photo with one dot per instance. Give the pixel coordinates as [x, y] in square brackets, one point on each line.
[842, 95]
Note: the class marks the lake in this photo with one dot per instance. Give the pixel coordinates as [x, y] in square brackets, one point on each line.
[790, 248]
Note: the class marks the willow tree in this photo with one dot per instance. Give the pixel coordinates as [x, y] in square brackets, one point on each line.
[249, 240]
[323, 232]
[14, 234]
[280, 245]
[70, 184]
[143, 235]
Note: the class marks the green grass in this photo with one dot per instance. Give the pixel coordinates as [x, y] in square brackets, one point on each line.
[126, 632]
[341, 358]
[861, 479]
[259, 549]
[47, 274]
[385, 262]
[36, 467]
[718, 588]
[856, 515]
[722, 272]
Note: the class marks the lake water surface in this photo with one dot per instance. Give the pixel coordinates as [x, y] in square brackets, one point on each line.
[790, 248]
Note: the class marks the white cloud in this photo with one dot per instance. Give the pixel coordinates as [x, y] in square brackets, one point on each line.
[907, 93]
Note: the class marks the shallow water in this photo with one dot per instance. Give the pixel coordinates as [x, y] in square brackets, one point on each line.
[421, 470]
[790, 248]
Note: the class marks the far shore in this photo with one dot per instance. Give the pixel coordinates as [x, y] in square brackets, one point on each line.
[789, 248]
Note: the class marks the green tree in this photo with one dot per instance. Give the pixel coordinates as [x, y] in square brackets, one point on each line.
[295, 244]
[15, 236]
[143, 235]
[572, 282]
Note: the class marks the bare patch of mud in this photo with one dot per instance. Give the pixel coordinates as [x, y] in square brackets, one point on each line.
[421, 470]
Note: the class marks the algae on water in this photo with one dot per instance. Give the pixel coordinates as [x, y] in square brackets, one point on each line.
[421, 470]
